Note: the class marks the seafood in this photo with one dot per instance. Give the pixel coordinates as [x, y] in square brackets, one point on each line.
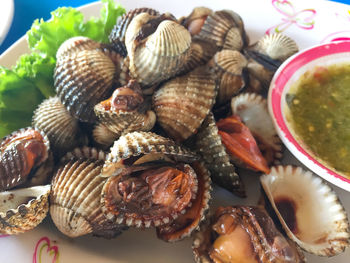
[126, 110]
[23, 209]
[252, 109]
[243, 234]
[190, 98]
[157, 48]
[103, 136]
[308, 209]
[21, 154]
[75, 196]
[85, 77]
[154, 183]
[196, 19]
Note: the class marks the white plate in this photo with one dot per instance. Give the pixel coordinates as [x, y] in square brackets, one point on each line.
[308, 22]
[6, 15]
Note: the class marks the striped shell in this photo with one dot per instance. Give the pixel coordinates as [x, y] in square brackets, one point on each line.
[83, 78]
[22, 153]
[103, 136]
[194, 21]
[228, 66]
[160, 55]
[76, 193]
[61, 128]
[308, 209]
[117, 35]
[23, 209]
[176, 230]
[252, 108]
[76, 44]
[190, 98]
[243, 234]
[208, 144]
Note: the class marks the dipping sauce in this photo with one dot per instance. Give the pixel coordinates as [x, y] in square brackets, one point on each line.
[319, 106]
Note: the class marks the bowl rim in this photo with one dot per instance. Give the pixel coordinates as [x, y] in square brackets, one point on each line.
[275, 96]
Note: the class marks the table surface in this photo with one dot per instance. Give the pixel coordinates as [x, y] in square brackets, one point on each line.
[26, 11]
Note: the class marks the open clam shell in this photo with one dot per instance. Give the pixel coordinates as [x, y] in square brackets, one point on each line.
[243, 234]
[61, 128]
[21, 154]
[83, 78]
[209, 145]
[252, 108]
[228, 66]
[190, 98]
[308, 209]
[158, 56]
[23, 209]
[194, 21]
[76, 193]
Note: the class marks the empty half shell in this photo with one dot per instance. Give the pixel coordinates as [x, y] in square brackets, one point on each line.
[309, 211]
[157, 47]
[75, 195]
[208, 144]
[61, 128]
[190, 98]
[243, 234]
[83, 78]
[252, 108]
[228, 66]
[21, 154]
[23, 209]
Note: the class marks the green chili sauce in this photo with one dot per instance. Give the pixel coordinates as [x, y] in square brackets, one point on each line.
[320, 113]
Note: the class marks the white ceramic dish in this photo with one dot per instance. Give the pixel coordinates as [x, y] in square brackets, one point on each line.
[287, 75]
[308, 22]
[6, 16]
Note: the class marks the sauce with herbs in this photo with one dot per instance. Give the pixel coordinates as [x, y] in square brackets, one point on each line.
[319, 104]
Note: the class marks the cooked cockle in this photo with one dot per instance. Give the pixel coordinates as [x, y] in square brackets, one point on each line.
[243, 234]
[85, 77]
[252, 109]
[23, 209]
[194, 21]
[117, 35]
[103, 136]
[225, 28]
[61, 128]
[155, 183]
[229, 67]
[267, 54]
[75, 206]
[126, 110]
[308, 209]
[157, 48]
[22, 153]
[182, 103]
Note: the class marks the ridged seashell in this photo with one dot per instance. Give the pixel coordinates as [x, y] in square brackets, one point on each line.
[228, 66]
[225, 28]
[252, 108]
[23, 209]
[117, 35]
[61, 128]
[194, 21]
[159, 56]
[194, 215]
[138, 143]
[75, 195]
[201, 52]
[309, 211]
[190, 98]
[267, 55]
[103, 136]
[21, 154]
[243, 234]
[208, 144]
[84, 78]
[76, 44]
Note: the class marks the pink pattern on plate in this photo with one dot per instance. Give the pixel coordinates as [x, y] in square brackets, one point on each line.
[4, 235]
[303, 19]
[339, 35]
[43, 243]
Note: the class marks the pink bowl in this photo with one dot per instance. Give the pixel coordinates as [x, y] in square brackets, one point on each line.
[288, 73]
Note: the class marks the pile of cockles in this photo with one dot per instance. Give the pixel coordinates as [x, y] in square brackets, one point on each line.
[141, 128]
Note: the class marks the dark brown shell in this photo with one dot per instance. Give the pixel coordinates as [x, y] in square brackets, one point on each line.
[263, 241]
[21, 154]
